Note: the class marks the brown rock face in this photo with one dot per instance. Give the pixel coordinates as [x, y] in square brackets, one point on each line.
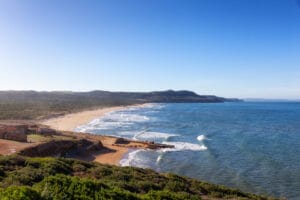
[96, 146]
[12, 132]
[52, 148]
[61, 148]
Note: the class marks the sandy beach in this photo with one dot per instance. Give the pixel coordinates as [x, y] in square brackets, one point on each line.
[71, 121]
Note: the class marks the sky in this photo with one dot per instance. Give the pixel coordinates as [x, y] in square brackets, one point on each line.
[232, 48]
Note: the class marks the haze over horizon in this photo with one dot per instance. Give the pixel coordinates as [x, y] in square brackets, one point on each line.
[242, 49]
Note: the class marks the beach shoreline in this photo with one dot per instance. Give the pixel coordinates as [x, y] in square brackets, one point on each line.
[70, 121]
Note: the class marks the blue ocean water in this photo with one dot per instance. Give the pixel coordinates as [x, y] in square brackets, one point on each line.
[251, 146]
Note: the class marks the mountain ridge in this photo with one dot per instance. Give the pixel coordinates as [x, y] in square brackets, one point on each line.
[37, 105]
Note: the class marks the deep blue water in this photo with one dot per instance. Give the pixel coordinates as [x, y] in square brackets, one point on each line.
[251, 146]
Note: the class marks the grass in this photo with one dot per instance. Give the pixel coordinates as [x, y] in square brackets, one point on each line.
[41, 138]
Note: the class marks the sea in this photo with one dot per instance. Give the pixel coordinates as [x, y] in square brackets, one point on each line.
[247, 145]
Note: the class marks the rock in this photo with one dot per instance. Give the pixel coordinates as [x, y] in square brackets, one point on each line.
[52, 148]
[121, 141]
[62, 148]
[46, 131]
[13, 132]
[159, 146]
[96, 146]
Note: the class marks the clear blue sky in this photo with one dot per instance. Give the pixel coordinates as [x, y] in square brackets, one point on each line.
[231, 48]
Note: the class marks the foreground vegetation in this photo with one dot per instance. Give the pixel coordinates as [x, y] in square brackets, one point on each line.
[32, 105]
[23, 178]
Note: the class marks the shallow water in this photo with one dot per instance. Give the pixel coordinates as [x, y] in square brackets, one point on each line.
[251, 146]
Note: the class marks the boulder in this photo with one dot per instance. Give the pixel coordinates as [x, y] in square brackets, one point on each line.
[121, 141]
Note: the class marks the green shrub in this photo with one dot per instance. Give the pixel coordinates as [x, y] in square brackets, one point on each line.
[11, 162]
[74, 188]
[68, 188]
[19, 193]
[167, 195]
[55, 179]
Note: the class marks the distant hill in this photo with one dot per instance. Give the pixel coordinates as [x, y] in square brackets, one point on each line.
[33, 105]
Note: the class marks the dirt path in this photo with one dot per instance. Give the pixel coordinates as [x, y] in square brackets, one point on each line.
[8, 147]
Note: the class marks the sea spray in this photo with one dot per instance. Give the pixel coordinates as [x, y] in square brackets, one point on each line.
[184, 146]
[201, 138]
[130, 159]
[149, 135]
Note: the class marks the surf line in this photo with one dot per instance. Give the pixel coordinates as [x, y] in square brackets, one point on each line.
[140, 133]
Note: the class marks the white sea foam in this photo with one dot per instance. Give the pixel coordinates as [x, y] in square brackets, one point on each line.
[125, 117]
[129, 133]
[153, 105]
[184, 146]
[201, 138]
[159, 158]
[148, 135]
[101, 126]
[112, 120]
[131, 158]
[122, 118]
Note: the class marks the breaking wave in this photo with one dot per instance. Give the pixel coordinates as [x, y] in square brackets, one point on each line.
[201, 138]
[148, 135]
[131, 159]
[184, 146]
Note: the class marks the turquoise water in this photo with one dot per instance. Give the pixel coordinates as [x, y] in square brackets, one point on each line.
[251, 146]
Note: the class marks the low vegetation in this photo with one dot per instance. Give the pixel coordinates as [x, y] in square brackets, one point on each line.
[23, 178]
[33, 105]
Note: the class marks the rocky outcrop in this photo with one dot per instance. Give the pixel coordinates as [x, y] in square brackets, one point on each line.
[122, 141]
[96, 146]
[152, 145]
[61, 148]
[140, 144]
[13, 132]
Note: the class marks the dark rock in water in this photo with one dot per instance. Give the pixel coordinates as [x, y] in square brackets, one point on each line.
[159, 146]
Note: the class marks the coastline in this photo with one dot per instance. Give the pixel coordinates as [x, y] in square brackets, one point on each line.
[70, 121]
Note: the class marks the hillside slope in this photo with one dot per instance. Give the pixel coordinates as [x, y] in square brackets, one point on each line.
[33, 105]
[53, 178]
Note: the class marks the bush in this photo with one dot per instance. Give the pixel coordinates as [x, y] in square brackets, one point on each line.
[55, 179]
[19, 193]
[167, 195]
[74, 188]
